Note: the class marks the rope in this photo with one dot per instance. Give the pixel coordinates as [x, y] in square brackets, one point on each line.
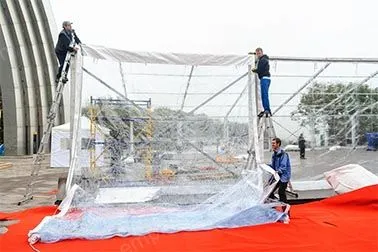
[33, 239]
[33, 248]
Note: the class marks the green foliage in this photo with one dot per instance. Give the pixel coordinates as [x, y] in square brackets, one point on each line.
[335, 104]
[171, 128]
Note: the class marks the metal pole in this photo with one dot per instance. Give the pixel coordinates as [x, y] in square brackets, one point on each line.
[192, 59]
[76, 134]
[236, 102]
[226, 123]
[252, 115]
[259, 142]
[313, 136]
[132, 136]
[250, 106]
[112, 89]
[187, 87]
[123, 96]
[291, 133]
[179, 133]
[302, 87]
[72, 101]
[354, 129]
[123, 78]
[225, 130]
[218, 93]
[317, 59]
[326, 135]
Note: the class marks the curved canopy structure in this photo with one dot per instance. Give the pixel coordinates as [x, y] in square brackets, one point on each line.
[27, 69]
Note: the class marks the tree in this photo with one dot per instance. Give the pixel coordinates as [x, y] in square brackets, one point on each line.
[171, 128]
[337, 105]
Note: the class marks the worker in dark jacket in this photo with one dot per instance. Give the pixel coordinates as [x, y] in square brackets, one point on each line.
[281, 164]
[66, 43]
[302, 146]
[262, 70]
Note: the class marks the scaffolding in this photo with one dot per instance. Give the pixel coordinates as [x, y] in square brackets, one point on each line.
[249, 91]
[204, 111]
[312, 78]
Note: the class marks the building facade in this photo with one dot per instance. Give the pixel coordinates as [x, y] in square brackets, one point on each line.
[27, 72]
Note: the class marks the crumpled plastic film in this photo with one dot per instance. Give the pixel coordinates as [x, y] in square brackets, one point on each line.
[239, 205]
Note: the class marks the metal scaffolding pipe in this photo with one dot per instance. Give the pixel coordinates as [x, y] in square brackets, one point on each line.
[236, 102]
[354, 128]
[123, 78]
[308, 82]
[132, 136]
[319, 59]
[284, 128]
[218, 93]
[112, 89]
[234, 75]
[137, 106]
[250, 108]
[225, 124]
[187, 88]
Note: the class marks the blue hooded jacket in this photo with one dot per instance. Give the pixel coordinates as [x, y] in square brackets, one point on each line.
[281, 164]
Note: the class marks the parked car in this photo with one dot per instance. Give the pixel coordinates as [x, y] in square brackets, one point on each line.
[291, 147]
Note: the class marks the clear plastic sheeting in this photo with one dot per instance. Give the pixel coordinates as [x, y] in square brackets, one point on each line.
[103, 53]
[236, 206]
[181, 134]
[168, 159]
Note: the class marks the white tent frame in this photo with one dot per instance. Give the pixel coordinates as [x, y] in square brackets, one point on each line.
[193, 60]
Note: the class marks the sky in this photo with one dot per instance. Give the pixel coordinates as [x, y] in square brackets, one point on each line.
[321, 28]
[282, 28]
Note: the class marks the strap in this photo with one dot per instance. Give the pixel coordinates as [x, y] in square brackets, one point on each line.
[66, 34]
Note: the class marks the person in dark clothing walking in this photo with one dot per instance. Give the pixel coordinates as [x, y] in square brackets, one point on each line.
[263, 73]
[66, 43]
[302, 146]
[281, 164]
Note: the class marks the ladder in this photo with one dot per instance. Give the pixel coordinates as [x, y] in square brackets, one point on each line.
[264, 127]
[40, 155]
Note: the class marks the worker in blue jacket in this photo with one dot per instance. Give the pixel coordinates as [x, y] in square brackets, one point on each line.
[281, 164]
[262, 70]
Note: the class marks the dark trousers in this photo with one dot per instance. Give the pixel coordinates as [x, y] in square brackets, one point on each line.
[281, 191]
[302, 152]
[61, 57]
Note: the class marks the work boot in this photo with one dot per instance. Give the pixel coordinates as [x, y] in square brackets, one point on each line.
[57, 78]
[261, 114]
[267, 113]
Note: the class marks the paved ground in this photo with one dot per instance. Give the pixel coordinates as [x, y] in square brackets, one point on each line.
[14, 179]
[319, 161]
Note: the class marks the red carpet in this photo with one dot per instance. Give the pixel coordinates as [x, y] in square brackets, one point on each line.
[347, 222]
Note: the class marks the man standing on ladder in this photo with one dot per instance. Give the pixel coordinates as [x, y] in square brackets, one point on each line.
[263, 73]
[65, 50]
[66, 41]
